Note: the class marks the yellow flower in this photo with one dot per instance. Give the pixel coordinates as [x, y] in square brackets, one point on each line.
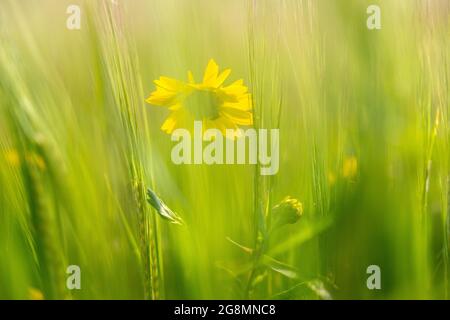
[13, 159]
[217, 106]
[350, 167]
[35, 294]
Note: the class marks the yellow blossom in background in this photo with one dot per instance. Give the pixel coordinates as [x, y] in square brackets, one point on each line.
[350, 167]
[217, 106]
[35, 294]
[13, 159]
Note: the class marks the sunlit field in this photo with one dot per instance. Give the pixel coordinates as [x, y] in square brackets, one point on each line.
[358, 207]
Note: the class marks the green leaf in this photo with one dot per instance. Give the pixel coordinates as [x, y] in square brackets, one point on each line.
[281, 267]
[306, 233]
[319, 289]
[240, 246]
[164, 211]
[277, 266]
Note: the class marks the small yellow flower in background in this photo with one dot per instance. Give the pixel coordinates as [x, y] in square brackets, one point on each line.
[350, 167]
[217, 106]
[13, 159]
[35, 294]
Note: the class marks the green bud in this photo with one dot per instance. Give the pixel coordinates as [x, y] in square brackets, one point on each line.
[288, 211]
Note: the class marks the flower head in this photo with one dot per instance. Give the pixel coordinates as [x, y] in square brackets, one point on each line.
[13, 159]
[35, 294]
[350, 167]
[288, 211]
[210, 101]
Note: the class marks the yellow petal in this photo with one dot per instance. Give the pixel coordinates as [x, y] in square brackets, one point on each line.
[169, 125]
[170, 84]
[175, 106]
[210, 76]
[179, 118]
[243, 102]
[222, 77]
[161, 97]
[167, 91]
[237, 116]
[236, 88]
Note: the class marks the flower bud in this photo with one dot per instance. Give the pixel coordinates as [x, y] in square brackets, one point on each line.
[288, 211]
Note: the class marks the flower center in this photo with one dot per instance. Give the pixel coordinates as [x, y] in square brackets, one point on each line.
[202, 104]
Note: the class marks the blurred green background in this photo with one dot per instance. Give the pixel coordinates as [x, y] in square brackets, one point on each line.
[364, 147]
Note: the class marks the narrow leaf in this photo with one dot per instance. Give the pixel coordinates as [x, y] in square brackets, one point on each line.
[164, 211]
